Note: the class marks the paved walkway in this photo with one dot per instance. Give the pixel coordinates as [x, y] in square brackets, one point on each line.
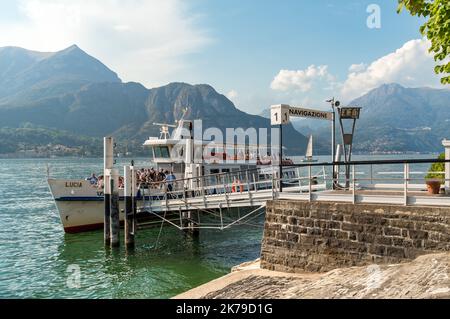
[428, 276]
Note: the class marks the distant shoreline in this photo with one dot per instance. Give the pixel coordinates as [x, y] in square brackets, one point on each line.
[18, 156]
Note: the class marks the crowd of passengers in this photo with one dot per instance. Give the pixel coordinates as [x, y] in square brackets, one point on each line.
[144, 177]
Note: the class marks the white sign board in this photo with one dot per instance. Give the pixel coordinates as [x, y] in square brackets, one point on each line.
[315, 114]
[279, 114]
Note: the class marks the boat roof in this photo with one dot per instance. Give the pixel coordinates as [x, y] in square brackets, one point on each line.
[165, 142]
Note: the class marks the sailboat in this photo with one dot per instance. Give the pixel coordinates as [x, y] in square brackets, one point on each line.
[309, 151]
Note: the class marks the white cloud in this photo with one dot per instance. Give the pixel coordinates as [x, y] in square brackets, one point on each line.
[411, 65]
[356, 68]
[302, 80]
[232, 95]
[143, 40]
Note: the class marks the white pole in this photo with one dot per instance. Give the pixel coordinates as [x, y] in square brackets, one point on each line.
[405, 185]
[446, 144]
[338, 156]
[108, 144]
[353, 185]
[310, 185]
[108, 162]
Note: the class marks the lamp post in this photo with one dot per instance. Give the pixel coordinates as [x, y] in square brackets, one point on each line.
[333, 136]
[348, 113]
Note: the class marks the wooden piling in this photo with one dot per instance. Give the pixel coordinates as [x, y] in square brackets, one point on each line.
[115, 222]
[189, 224]
[129, 213]
[194, 224]
[108, 163]
[107, 214]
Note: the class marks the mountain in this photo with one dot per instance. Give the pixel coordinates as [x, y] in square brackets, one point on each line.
[28, 75]
[30, 141]
[72, 92]
[399, 119]
[395, 119]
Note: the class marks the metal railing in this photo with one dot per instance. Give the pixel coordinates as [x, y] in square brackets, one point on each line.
[245, 183]
[399, 185]
[304, 181]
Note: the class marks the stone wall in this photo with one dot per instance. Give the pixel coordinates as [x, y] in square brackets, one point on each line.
[320, 236]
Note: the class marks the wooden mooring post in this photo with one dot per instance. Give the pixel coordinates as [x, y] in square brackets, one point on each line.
[189, 224]
[107, 166]
[115, 222]
[129, 194]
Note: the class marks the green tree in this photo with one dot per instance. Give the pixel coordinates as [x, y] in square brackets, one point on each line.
[436, 29]
[435, 169]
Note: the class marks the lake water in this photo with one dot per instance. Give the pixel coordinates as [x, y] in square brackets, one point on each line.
[37, 258]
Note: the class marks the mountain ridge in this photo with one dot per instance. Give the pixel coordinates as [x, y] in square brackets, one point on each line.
[80, 103]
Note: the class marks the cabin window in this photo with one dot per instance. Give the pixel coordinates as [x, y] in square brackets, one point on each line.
[161, 152]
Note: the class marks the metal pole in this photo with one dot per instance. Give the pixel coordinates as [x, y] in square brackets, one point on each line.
[309, 185]
[281, 158]
[353, 184]
[405, 184]
[333, 142]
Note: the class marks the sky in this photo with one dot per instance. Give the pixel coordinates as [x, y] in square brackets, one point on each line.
[256, 52]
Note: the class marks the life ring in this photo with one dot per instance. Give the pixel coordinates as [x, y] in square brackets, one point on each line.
[236, 183]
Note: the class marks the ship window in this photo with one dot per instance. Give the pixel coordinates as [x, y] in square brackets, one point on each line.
[161, 152]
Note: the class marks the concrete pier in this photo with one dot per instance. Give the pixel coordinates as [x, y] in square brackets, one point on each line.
[424, 277]
[343, 250]
[321, 236]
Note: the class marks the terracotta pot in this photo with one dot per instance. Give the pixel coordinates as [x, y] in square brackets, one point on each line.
[433, 187]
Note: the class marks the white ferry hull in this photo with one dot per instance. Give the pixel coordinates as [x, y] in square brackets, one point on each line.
[80, 205]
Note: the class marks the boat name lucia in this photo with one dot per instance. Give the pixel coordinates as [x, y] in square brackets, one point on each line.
[74, 184]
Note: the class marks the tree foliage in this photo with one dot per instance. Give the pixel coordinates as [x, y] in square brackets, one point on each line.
[436, 29]
[436, 169]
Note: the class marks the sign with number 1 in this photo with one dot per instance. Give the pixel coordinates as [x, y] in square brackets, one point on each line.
[279, 114]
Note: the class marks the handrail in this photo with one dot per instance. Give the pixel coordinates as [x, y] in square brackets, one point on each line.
[325, 164]
[373, 162]
[224, 183]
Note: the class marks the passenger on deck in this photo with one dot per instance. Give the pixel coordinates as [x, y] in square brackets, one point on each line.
[152, 174]
[100, 182]
[161, 177]
[170, 179]
[92, 179]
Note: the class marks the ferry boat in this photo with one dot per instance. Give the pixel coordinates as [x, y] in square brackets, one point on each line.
[81, 204]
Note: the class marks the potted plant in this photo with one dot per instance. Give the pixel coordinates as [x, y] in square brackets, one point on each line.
[435, 176]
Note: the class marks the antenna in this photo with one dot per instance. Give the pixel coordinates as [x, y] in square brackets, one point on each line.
[184, 112]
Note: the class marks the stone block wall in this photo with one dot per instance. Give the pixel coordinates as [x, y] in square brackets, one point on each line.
[320, 236]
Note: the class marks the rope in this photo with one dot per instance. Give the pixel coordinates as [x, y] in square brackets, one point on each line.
[160, 229]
